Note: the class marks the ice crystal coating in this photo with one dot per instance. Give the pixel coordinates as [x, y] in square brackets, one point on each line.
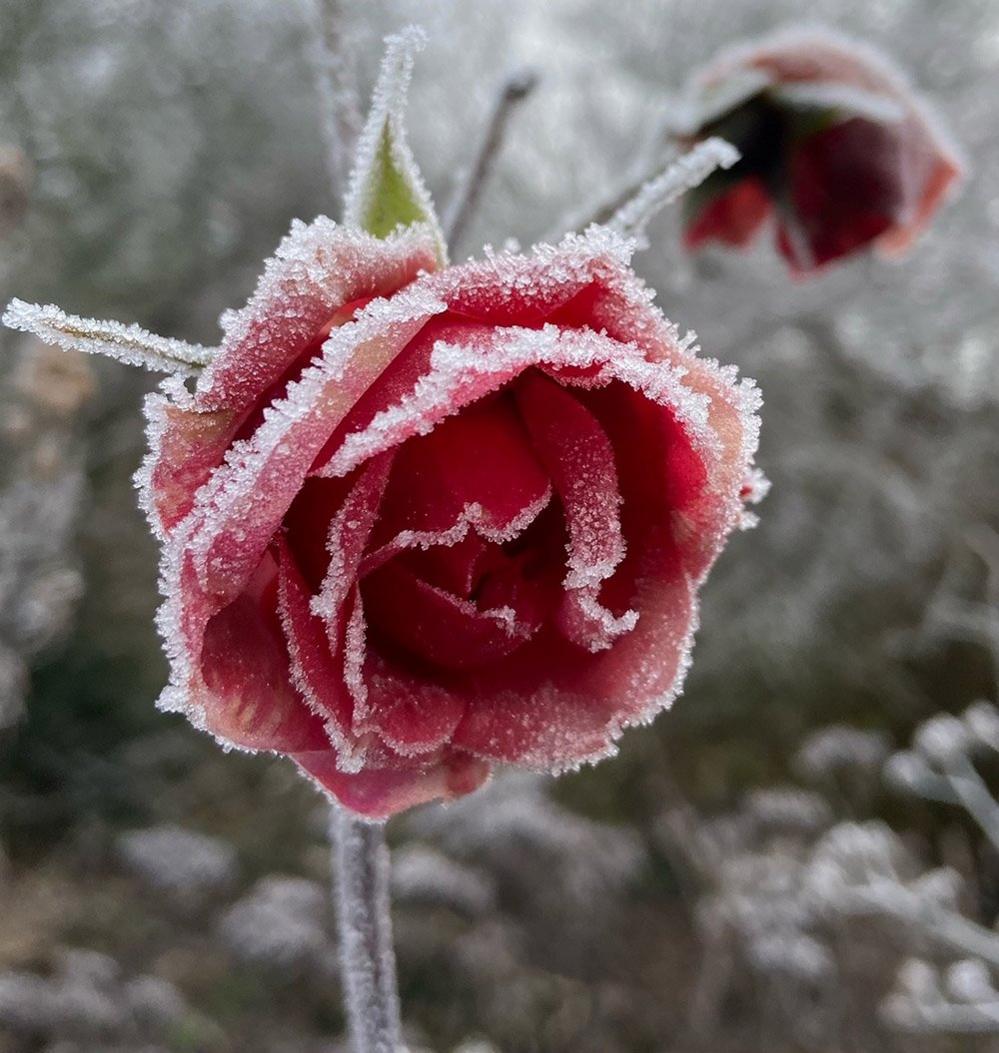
[127, 343]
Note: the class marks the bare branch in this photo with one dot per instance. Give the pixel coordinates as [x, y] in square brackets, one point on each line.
[517, 87]
[683, 174]
[338, 96]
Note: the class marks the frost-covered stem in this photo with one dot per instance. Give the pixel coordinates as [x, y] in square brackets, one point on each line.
[685, 173]
[337, 92]
[466, 194]
[361, 866]
[630, 207]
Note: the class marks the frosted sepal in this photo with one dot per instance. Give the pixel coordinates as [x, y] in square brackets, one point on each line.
[386, 189]
[126, 343]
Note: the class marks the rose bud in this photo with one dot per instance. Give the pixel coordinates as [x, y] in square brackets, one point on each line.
[835, 145]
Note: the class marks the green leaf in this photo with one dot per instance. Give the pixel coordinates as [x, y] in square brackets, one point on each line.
[386, 189]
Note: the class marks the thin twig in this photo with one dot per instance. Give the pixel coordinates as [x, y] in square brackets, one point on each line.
[685, 173]
[338, 96]
[361, 865]
[466, 194]
[647, 190]
[653, 154]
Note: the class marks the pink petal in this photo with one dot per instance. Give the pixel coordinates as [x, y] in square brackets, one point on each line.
[317, 270]
[314, 670]
[244, 687]
[379, 793]
[411, 713]
[238, 511]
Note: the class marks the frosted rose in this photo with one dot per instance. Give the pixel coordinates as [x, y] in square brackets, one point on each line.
[835, 145]
[415, 524]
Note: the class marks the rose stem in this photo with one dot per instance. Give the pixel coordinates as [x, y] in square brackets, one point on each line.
[361, 868]
[466, 194]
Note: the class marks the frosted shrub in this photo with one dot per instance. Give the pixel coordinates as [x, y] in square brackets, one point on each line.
[188, 867]
[282, 923]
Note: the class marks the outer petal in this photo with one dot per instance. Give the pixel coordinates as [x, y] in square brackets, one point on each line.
[246, 499]
[239, 686]
[378, 793]
[317, 270]
[209, 560]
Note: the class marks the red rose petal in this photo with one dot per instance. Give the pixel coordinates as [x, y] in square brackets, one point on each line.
[846, 189]
[436, 625]
[314, 670]
[378, 793]
[473, 470]
[243, 662]
[411, 713]
[246, 499]
[580, 460]
[347, 540]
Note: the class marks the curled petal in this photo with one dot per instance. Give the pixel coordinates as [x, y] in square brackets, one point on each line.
[377, 793]
[317, 271]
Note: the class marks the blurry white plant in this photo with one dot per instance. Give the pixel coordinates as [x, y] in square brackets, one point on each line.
[41, 489]
[962, 999]
[940, 766]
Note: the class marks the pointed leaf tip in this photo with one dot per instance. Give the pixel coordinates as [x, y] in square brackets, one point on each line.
[386, 188]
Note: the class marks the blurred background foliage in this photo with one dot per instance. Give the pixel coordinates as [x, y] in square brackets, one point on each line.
[150, 156]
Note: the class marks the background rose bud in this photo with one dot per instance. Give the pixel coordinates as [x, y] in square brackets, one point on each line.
[416, 524]
[835, 144]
